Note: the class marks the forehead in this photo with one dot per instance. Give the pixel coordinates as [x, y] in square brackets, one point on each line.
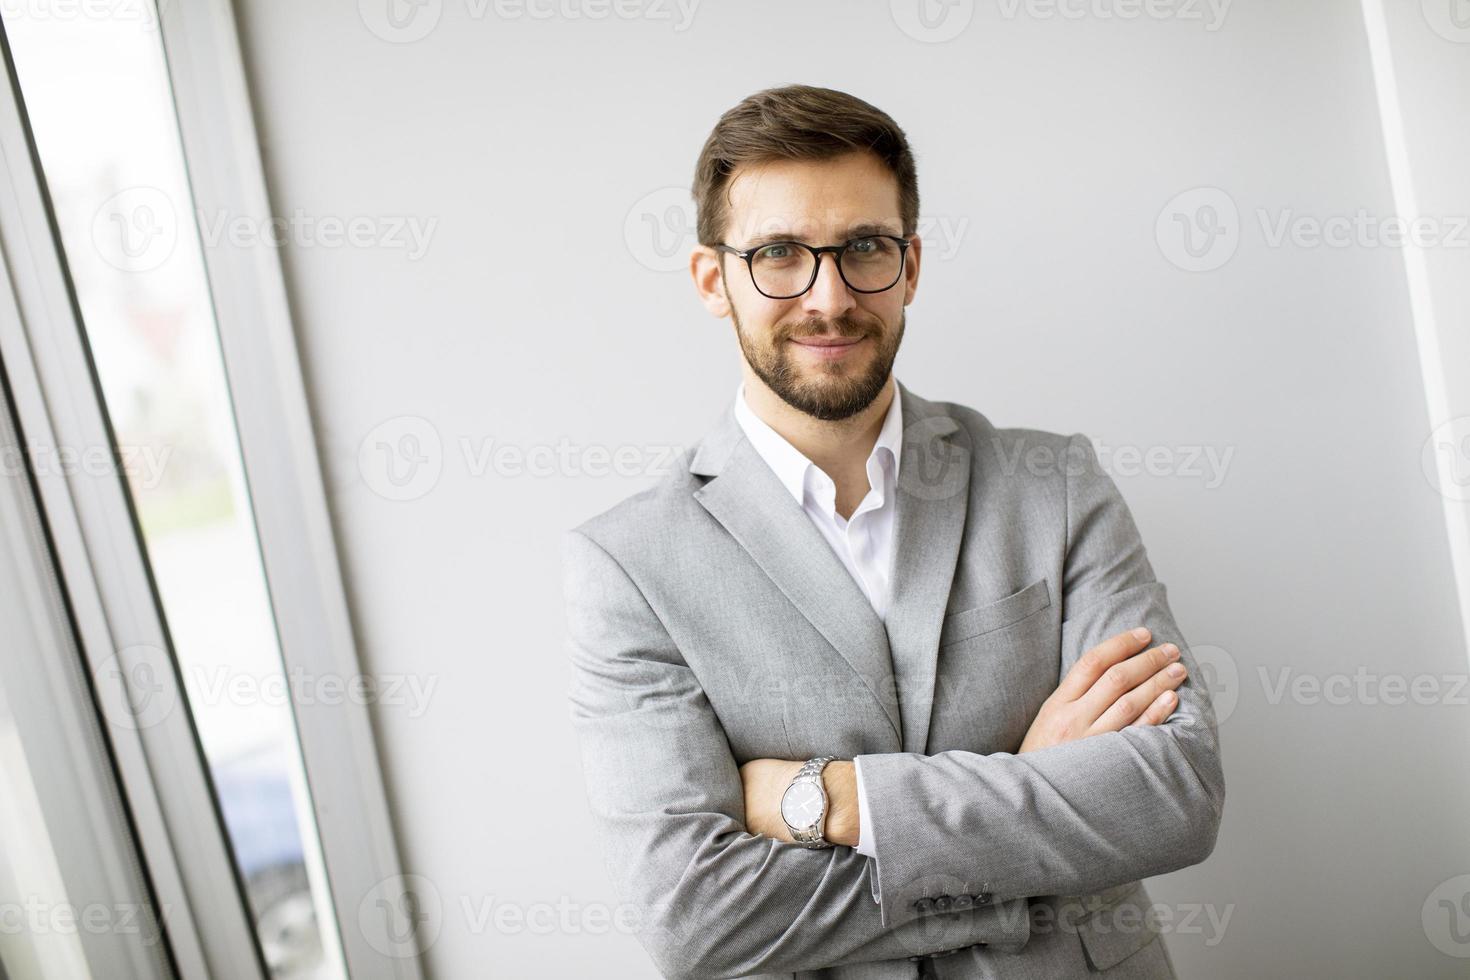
[812, 200]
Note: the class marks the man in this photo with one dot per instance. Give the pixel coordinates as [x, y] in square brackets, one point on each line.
[829, 678]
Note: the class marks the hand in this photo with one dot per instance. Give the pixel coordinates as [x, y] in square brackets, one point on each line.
[765, 782]
[1112, 686]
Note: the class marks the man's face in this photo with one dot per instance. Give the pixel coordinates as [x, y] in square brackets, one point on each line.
[819, 203]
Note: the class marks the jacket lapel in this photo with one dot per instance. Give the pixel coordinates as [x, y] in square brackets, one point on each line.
[749, 501]
[933, 496]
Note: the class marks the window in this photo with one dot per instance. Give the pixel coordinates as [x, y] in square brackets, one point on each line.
[97, 94]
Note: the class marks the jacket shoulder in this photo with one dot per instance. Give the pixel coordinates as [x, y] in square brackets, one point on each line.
[636, 520]
[1018, 449]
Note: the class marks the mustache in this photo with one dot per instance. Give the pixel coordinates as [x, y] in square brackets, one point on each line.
[819, 328]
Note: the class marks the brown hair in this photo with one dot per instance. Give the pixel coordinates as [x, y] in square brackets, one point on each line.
[797, 122]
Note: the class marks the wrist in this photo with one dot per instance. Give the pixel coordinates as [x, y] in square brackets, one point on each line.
[839, 779]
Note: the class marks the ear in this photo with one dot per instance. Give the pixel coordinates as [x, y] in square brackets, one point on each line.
[704, 266]
[911, 269]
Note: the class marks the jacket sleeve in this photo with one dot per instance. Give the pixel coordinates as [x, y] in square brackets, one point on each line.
[1074, 818]
[710, 899]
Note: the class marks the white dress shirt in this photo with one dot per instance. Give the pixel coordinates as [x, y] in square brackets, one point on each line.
[864, 542]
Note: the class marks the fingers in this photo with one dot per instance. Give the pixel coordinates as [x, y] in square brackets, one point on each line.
[1132, 682]
[1159, 711]
[1150, 703]
[1095, 662]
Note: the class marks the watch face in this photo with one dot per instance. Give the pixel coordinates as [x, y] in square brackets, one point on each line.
[802, 804]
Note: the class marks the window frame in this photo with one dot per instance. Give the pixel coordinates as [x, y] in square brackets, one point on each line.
[101, 562]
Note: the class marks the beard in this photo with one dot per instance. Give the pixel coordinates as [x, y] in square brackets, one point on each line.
[831, 391]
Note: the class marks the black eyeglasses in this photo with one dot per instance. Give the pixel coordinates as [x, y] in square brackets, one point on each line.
[785, 270]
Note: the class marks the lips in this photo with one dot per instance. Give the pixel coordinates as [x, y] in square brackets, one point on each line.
[826, 341]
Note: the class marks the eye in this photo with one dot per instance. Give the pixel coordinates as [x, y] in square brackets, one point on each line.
[777, 253]
[872, 250]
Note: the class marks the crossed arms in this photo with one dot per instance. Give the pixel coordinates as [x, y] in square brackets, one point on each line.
[1115, 684]
[715, 899]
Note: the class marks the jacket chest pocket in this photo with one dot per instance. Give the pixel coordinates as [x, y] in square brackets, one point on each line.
[996, 615]
[998, 662]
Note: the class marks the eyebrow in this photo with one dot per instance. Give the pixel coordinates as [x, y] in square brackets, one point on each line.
[856, 231]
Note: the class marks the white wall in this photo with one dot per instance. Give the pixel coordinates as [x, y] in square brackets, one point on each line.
[537, 314]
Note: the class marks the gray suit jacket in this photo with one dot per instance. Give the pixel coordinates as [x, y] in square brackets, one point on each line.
[710, 623]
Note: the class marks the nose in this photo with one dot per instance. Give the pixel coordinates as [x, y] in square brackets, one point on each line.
[829, 295]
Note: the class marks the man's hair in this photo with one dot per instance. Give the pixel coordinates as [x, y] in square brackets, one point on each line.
[797, 122]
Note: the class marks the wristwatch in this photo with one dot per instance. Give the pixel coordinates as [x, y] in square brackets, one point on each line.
[804, 804]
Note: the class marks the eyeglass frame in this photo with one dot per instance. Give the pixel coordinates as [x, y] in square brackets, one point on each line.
[817, 251]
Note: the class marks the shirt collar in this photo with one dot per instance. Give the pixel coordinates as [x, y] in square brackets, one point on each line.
[788, 462]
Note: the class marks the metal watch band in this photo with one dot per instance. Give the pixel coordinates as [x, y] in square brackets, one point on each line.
[811, 771]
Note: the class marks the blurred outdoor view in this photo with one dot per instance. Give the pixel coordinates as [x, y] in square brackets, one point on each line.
[97, 95]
